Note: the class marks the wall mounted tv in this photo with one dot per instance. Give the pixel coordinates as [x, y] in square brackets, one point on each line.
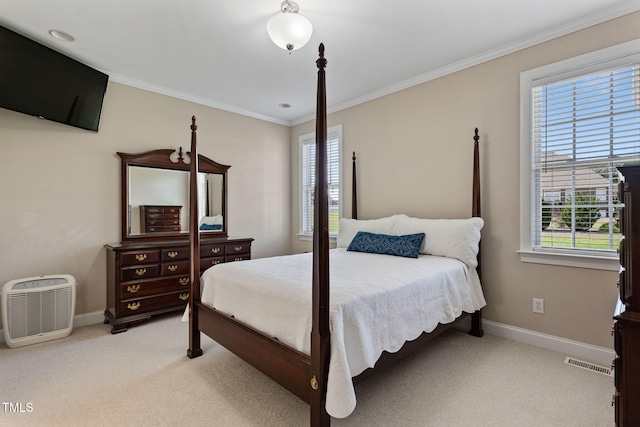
[39, 81]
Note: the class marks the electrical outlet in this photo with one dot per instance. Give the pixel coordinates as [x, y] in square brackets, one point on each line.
[538, 305]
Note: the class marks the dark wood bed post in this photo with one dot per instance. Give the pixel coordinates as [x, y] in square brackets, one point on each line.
[354, 189]
[476, 318]
[320, 335]
[194, 247]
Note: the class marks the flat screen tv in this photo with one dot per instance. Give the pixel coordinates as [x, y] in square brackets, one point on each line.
[39, 81]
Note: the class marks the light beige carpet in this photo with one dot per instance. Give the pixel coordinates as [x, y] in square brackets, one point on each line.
[143, 378]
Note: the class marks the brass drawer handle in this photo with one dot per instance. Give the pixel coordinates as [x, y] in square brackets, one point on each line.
[216, 262]
[141, 271]
[184, 281]
[133, 288]
[133, 306]
[215, 250]
[172, 254]
[141, 257]
[153, 216]
[184, 297]
[238, 248]
[238, 258]
[172, 268]
[172, 210]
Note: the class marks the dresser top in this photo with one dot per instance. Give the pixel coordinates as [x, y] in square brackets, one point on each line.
[174, 243]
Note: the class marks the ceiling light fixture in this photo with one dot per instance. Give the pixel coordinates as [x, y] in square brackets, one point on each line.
[288, 29]
[61, 35]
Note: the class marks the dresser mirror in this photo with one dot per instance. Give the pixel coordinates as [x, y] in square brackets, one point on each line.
[155, 196]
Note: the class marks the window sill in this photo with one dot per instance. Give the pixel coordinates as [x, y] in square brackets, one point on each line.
[571, 260]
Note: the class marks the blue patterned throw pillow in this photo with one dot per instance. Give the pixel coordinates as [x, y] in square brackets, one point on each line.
[406, 246]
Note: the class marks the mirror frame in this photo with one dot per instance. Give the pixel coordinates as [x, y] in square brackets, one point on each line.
[162, 159]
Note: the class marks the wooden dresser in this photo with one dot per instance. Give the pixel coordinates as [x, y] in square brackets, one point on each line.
[627, 316]
[159, 219]
[148, 278]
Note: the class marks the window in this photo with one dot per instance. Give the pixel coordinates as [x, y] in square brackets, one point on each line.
[308, 175]
[202, 195]
[580, 121]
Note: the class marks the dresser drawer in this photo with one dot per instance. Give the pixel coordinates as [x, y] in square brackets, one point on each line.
[175, 254]
[162, 217]
[152, 287]
[153, 303]
[211, 250]
[162, 222]
[210, 262]
[139, 272]
[238, 257]
[161, 209]
[161, 229]
[237, 248]
[139, 257]
[173, 268]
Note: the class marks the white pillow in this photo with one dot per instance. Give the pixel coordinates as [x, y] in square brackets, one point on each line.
[211, 220]
[348, 228]
[453, 238]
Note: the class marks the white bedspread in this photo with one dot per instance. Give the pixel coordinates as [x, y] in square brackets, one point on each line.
[377, 303]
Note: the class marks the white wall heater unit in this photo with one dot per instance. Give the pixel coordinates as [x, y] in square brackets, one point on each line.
[37, 309]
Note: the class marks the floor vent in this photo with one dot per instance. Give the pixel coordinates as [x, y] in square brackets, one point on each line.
[588, 366]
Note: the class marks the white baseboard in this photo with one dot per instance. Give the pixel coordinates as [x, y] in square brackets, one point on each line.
[88, 319]
[78, 321]
[589, 353]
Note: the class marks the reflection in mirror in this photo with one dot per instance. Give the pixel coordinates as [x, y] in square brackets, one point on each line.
[158, 201]
[210, 201]
[155, 196]
[152, 189]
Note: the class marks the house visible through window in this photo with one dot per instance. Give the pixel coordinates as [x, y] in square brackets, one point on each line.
[582, 122]
[308, 175]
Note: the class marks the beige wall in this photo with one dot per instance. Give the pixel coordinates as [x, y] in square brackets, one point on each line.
[415, 157]
[60, 186]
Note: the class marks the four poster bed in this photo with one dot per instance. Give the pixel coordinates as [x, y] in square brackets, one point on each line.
[380, 305]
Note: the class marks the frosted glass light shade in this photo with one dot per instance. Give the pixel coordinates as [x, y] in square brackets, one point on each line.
[289, 31]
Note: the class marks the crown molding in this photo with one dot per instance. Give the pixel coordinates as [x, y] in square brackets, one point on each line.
[568, 28]
[128, 81]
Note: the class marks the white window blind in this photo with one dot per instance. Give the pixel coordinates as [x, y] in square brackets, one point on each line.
[582, 128]
[202, 195]
[308, 175]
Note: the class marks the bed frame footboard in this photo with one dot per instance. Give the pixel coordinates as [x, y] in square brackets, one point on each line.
[283, 364]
